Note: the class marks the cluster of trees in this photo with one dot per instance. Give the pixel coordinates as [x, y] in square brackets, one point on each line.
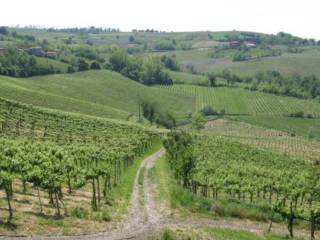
[281, 38]
[170, 45]
[300, 115]
[275, 83]
[17, 63]
[226, 74]
[92, 29]
[20, 64]
[165, 45]
[148, 70]
[170, 62]
[146, 30]
[82, 65]
[152, 113]
[243, 52]
[209, 111]
[219, 168]
[87, 52]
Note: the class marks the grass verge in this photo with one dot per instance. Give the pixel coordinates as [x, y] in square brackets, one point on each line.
[184, 203]
[211, 233]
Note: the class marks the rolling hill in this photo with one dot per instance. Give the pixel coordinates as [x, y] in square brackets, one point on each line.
[256, 108]
[304, 63]
[98, 93]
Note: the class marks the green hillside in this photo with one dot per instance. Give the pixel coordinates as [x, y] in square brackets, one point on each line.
[257, 108]
[47, 62]
[187, 78]
[237, 101]
[304, 63]
[99, 93]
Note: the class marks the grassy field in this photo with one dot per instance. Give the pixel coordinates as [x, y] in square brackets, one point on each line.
[98, 93]
[187, 78]
[46, 62]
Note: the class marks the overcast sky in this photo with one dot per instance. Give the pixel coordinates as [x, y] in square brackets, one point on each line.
[299, 17]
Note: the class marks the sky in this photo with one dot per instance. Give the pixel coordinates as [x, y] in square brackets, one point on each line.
[298, 17]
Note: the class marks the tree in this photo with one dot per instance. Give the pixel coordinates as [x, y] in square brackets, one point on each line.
[118, 60]
[170, 62]
[83, 65]
[153, 72]
[4, 30]
[95, 65]
[148, 110]
[198, 122]
[212, 79]
[164, 45]
[208, 111]
[70, 69]
[133, 68]
[131, 39]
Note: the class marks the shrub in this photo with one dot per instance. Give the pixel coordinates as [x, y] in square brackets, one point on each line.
[309, 115]
[208, 111]
[79, 212]
[105, 216]
[296, 115]
[167, 235]
[95, 65]
[164, 45]
[170, 62]
[240, 56]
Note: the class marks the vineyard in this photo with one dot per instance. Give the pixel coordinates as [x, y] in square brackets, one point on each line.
[67, 164]
[238, 101]
[178, 135]
[209, 166]
[280, 142]
[96, 93]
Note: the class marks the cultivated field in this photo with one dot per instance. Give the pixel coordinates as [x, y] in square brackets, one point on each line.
[237, 101]
[98, 93]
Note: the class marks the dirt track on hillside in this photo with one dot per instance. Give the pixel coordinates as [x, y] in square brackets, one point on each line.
[144, 217]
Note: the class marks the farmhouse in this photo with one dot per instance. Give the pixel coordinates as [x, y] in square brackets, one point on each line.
[234, 44]
[250, 44]
[52, 54]
[36, 51]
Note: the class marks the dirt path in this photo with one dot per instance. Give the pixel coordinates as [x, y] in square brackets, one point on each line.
[144, 218]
